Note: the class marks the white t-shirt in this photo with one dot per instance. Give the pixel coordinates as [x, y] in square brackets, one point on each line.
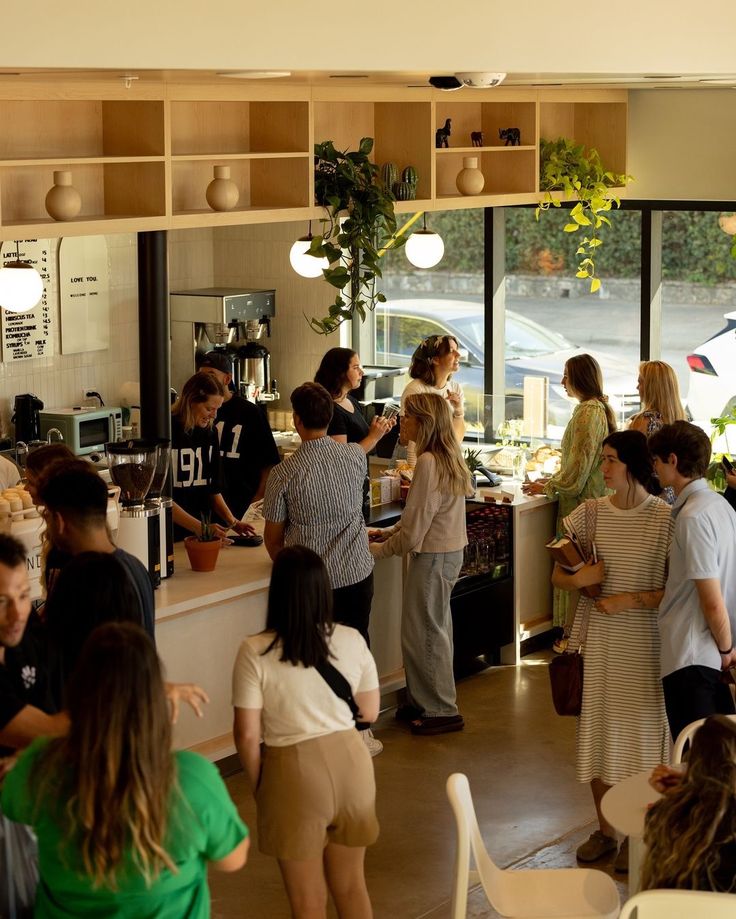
[297, 703]
[414, 387]
[9, 474]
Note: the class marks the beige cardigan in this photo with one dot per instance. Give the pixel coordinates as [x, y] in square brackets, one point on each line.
[431, 521]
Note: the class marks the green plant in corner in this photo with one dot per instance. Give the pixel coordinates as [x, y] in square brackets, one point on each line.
[361, 224]
[579, 173]
[473, 460]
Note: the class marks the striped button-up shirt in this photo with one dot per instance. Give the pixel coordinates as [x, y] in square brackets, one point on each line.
[318, 493]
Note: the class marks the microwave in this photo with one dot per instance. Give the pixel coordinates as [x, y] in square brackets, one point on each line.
[85, 430]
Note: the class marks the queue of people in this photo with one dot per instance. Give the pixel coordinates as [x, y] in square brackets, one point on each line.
[94, 721]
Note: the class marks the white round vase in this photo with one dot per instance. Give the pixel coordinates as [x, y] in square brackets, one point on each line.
[470, 179]
[63, 201]
[222, 193]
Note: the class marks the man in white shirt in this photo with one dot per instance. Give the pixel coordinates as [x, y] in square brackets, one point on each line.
[697, 616]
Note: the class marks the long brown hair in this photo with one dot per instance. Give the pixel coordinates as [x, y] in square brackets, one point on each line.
[435, 435]
[688, 829]
[196, 390]
[660, 391]
[421, 367]
[114, 770]
[585, 380]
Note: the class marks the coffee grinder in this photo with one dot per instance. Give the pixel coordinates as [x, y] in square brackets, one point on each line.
[163, 505]
[232, 320]
[132, 467]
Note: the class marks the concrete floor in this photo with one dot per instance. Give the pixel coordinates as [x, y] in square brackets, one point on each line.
[518, 755]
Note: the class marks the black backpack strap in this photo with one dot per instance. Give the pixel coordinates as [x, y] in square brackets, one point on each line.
[339, 685]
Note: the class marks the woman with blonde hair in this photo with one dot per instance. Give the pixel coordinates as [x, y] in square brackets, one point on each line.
[690, 833]
[125, 827]
[432, 535]
[196, 470]
[580, 475]
[660, 398]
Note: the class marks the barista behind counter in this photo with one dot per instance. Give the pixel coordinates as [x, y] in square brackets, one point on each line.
[247, 448]
[196, 470]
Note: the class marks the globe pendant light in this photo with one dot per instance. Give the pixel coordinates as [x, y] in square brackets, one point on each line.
[306, 265]
[424, 249]
[21, 286]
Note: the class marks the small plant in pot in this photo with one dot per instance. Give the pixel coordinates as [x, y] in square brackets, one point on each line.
[203, 549]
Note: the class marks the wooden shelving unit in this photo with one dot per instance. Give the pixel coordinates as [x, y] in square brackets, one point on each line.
[142, 157]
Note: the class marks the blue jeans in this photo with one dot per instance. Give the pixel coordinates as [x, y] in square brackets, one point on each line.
[426, 631]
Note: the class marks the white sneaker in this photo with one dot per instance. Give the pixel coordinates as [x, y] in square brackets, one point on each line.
[374, 745]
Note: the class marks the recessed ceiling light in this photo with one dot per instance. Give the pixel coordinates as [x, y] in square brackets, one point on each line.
[662, 76]
[723, 81]
[254, 74]
[348, 76]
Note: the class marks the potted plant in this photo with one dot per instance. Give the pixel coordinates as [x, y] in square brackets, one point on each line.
[474, 462]
[361, 224]
[579, 173]
[716, 475]
[203, 549]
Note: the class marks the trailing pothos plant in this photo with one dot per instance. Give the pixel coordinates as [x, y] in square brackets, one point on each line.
[578, 172]
[360, 224]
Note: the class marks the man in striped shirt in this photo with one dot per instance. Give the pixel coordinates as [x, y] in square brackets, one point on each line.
[315, 499]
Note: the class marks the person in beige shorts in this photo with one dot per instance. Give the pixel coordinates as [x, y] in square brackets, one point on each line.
[313, 783]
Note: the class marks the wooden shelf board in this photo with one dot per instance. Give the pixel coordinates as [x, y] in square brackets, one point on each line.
[535, 627]
[497, 199]
[260, 214]
[193, 157]
[411, 207]
[81, 226]
[496, 149]
[82, 160]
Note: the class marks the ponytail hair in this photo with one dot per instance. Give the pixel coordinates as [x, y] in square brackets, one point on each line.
[586, 382]
[632, 450]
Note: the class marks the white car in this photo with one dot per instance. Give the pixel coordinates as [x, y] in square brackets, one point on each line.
[531, 350]
[712, 387]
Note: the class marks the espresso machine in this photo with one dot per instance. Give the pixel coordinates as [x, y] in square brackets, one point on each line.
[231, 320]
[132, 465]
[163, 505]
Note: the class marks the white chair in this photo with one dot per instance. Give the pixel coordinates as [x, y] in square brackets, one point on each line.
[680, 904]
[685, 737]
[546, 892]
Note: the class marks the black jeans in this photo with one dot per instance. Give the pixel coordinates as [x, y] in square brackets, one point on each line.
[351, 605]
[693, 693]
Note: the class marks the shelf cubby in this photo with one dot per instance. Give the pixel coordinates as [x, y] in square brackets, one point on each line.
[506, 170]
[596, 124]
[488, 117]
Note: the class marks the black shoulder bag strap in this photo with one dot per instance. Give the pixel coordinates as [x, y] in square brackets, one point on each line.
[339, 685]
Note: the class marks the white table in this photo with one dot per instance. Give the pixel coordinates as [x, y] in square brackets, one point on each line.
[625, 806]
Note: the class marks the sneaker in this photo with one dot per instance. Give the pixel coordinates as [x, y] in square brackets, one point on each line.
[595, 847]
[428, 726]
[622, 859]
[374, 745]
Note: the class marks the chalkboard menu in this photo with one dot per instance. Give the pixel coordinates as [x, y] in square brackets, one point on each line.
[27, 335]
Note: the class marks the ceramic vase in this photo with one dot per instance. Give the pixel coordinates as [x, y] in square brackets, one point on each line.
[222, 193]
[470, 179]
[63, 202]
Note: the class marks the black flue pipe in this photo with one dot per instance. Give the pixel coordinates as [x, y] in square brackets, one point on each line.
[153, 335]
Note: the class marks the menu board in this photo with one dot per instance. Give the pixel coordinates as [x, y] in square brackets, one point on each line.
[30, 334]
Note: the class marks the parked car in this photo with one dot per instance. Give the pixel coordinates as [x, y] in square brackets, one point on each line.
[712, 385]
[531, 350]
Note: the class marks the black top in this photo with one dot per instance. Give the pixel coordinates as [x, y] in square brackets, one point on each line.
[141, 580]
[196, 472]
[352, 424]
[247, 448]
[24, 677]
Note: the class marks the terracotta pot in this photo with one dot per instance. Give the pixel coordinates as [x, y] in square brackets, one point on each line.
[202, 555]
[470, 179]
[222, 193]
[63, 201]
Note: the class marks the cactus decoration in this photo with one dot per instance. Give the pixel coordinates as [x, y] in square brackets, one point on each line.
[410, 175]
[389, 175]
[404, 189]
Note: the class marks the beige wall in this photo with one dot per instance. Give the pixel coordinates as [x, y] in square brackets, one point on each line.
[682, 144]
[426, 35]
[258, 256]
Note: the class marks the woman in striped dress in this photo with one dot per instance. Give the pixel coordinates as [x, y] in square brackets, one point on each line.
[622, 727]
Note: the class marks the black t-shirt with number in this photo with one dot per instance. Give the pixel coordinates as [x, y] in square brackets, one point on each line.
[247, 448]
[24, 677]
[196, 472]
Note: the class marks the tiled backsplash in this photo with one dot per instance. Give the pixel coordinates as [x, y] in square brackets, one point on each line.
[246, 256]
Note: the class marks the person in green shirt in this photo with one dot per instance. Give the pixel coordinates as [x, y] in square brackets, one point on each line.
[125, 827]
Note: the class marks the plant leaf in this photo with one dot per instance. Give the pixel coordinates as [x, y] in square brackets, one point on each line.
[571, 228]
[595, 285]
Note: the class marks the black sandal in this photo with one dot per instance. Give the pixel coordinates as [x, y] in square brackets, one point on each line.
[441, 724]
[407, 713]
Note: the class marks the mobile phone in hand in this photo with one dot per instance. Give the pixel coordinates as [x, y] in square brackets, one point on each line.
[390, 411]
[727, 464]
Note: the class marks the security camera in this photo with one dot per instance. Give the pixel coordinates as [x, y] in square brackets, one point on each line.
[481, 79]
[447, 83]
